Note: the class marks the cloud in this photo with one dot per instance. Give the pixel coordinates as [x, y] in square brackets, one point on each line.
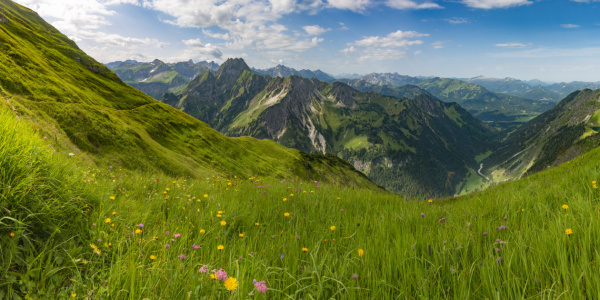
[394, 39]
[455, 20]
[491, 4]
[381, 54]
[117, 40]
[343, 26]
[569, 26]
[353, 5]
[439, 44]
[221, 36]
[196, 49]
[408, 4]
[544, 52]
[315, 30]
[513, 45]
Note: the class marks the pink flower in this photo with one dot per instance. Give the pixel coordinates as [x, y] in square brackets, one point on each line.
[182, 256]
[204, 269]
[196, 247]
[177, 235]
[221, 275]
[261, 286]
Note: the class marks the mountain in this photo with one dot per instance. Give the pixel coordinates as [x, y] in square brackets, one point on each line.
[418, 146]
[157, 78]
[483, 104]
[283, 71]
[556, 136]
[565, 88]
[516, 87]
[85, 109]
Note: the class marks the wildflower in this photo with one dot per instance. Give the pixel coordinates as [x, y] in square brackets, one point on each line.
[107, 220]
[155, 238]
[73, 295]
[430, 200]
[522, 209]
[221, 275]
[205, 195]
[111, 197]
[152, 257]
[220, 212]
[114, 213]
[218, 216]
[423, 215]
[498, 250]
[442, 220]
[95, 248]
[176, 235]
[202, 231]
[361, 252]
[505, 218]
[196, 247]
[499, 259]
[241, 235]
[167, 189]
[181, 256]
[284, 199]
[281, 257]
[260, 286]
[501, 227]
[287, 214]
[220, 247]
[332, 228]
[12, 234]
[140, 226]
[213, 276]
[203, 269]
[167, 246]
[354, 276]
[304, 249]
[231, 284]
[223, 223]
[256, 224]
[138, 231]
[485, 233]
[569, 231]
[167, 232]
[93, 224]
[565, 207]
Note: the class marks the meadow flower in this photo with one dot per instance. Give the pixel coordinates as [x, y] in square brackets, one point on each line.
[485, 233]
[220, 247]
[107, 220]
[284, 199]
[281, 257]
[167, 233]
[430, 200]
[93, 224]
[256, 224]
[12, 234]
[138, 231]
[442, 220]
[241, 235]
[196, 247]
[213, 276]
[140, 225]
[205, 195]
[181, 256]
[354, 276]
[221, 275]
[202, 231]
[261, 286]
[501, 227]
[223, 223]
[231, 284]
[499, 259]
[111, 197]
[361, 252]
[304, 249]
[565, 207]
[569, 231]
[203, 269]
[423, 215]
[286, 214]
[332, 228]
[152, 257]
[167, 246]
[218, 216]
[176, 235]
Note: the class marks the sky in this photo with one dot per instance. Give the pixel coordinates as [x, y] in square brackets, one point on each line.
[550, 40]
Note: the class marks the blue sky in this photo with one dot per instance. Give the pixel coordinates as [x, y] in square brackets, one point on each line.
[556, 40]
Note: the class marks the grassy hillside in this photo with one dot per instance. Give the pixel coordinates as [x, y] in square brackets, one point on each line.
[113, 233]
[84, 108]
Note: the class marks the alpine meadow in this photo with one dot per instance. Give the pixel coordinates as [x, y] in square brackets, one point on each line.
[129, 171]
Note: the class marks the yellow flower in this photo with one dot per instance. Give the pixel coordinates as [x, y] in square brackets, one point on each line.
[568, 231]
[202, 231]
[12, 234]
[165, 192]
[73, 295]
[241, 235]
[167, 189]
[223, 223]
[291, 195]
[220, 247]
[107, 220]
[152, 257]
[205, 195]
[256, 224]
[522, 209]
[287, 214]
[218, 216]
[430, 200]
[114, 213]
[220, 212]
[284, 199]
[213, 275]
[138, 231]
[332, 227]
[304, 249]
[111, 197]
[155, 238]
[565, 207]
[231, 283]
[361, 252]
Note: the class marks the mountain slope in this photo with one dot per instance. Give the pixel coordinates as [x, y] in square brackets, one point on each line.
[283, 71]
[419, 147]
[84, 108]
[516, 87]
[558, 135]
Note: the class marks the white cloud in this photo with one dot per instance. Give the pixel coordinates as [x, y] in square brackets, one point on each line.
[221, 36]
[490, 4]
[455, 20]
[439, 44]
[394, 39]
[513, 45]
[353, 5]
[343, 26]
[409, 4]
[373, 54]
[315, 30]
[196, 49]
[543, 52]
[569, 26]
[113, 39]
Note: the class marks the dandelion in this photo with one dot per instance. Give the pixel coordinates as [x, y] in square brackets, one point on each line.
[565, 207]
[152, 257]
[569, 231]
[256, 224]
[284, 199]
[220, 247]
[430, 200]
[12, 234]
[138, 231]
[107, 220]
[218, 216]
[205, 195]
[202, 231]
[73, 295]
[213, 276]
[332, 228]
[111, 197]
[304, 249]
[231, 284]
[220, 212]
[223, 223]
[114, 213]
[203, 269]
[241, 235]
[361, 252]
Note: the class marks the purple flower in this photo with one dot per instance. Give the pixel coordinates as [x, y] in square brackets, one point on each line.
[93, 224]
[196, 247]
[485, 233]
[501, 227]
[166, 246]
[261, 286]
[297, 238]
[45, 137]
[354, 276]
[99, 240]
[181, 256]
[141, 225]
[499, 259]
[497, 249]
[442, 220]
[167, 233]
[281, 256]
[177, 235]
[423, 215]
[203, 269]
[221, 275]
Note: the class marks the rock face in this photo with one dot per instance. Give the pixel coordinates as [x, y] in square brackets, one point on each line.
[407, 146]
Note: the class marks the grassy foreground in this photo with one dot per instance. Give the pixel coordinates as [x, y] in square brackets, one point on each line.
[69, 230]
